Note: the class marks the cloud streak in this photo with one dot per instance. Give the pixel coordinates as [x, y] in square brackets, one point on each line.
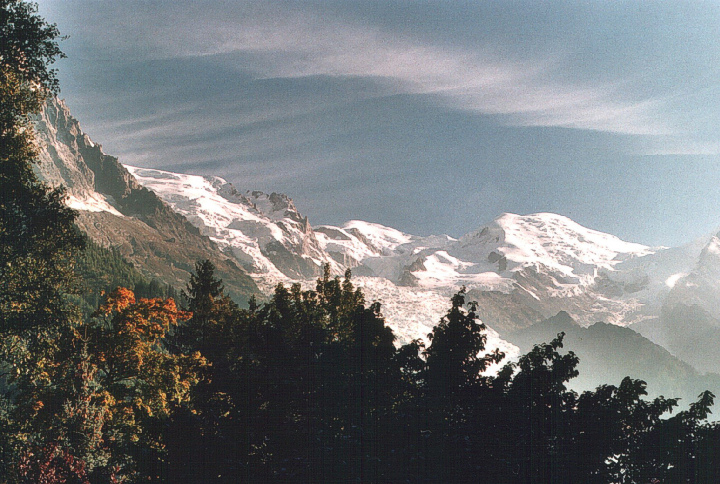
[474, 80]
[414, 115]
[289, 43]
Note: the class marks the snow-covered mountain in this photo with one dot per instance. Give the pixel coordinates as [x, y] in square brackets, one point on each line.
[522, 269]
[115, 210]
[264, 232]
[276, 244]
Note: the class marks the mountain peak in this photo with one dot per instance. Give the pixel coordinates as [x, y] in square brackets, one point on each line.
[385, 238]
[114, 210]
[275, 205]
[559, 242]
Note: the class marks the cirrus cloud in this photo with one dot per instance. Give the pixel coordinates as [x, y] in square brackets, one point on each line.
[287, 42]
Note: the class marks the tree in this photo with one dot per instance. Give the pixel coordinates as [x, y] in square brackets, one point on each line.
[454, 358]
[203, 292]
[670, 449]
[455, 361]
[209, 431]
[38, 239]
[536, 415]
[142, 383]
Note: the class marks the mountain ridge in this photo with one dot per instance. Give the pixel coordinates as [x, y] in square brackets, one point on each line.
[114, 210]
[521, 269]
[631, 354]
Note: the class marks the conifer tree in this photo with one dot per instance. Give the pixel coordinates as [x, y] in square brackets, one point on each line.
[203, 292]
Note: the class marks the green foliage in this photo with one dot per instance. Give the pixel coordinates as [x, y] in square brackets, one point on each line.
[310, 387]
[27, 47]
[38, 243]
[37, 235]
[103, 269]
[203, 296]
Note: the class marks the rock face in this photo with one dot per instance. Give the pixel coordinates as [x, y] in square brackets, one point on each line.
[63, 152]
[115, 210]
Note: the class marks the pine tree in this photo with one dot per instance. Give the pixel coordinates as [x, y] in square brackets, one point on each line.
[202, 294]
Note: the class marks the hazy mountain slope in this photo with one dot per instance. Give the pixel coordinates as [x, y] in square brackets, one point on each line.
[608, 353]
[117, 211]
[700, 286]
[693, 334]
[688, 322]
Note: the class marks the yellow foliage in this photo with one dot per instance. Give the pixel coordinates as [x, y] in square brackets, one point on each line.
[141, 378]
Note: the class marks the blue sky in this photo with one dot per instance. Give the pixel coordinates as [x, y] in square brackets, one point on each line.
[431, 117]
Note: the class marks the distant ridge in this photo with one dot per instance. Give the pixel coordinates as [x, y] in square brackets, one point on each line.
[608, 353]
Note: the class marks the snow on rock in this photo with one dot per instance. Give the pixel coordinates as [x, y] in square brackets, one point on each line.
[91, 202]
[672, 280]
[384, 239]
[568, 255]
[553, 241]
[527, 267]
[700, 285]
[348, 247]
[413, 313]
[264, 232]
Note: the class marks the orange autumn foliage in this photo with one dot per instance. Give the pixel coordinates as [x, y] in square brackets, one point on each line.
[143, 377]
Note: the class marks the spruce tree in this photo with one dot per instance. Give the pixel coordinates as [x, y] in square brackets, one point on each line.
[203, 293]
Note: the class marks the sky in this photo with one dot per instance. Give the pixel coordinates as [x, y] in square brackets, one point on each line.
[430, 117]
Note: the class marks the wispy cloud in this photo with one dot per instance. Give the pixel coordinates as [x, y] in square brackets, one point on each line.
[680, 147]
[470, 79]
[291, 43]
